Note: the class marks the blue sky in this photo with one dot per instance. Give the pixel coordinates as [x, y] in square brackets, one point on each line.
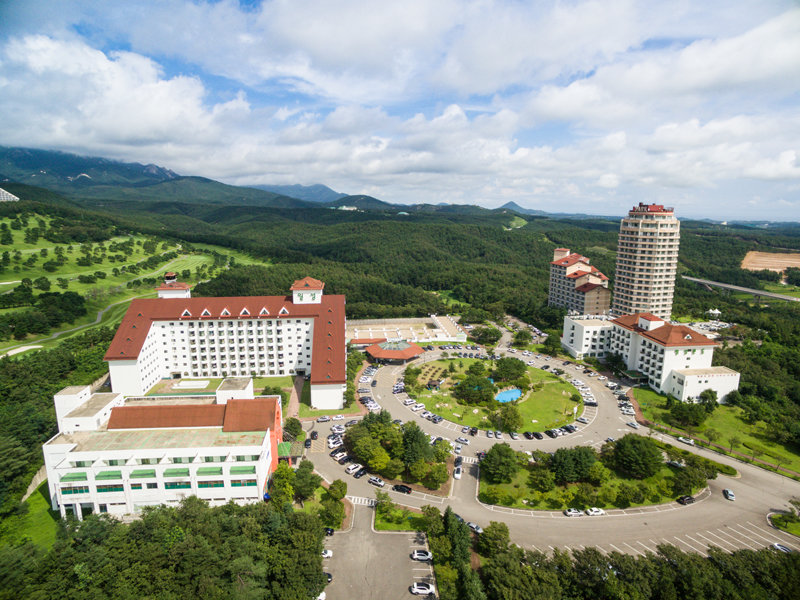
[586, 106]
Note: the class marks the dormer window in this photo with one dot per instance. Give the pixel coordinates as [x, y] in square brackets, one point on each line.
[226, 312]
[244, 312]
[205, 313]
[186, 313]
[283, 311]
[264, 312]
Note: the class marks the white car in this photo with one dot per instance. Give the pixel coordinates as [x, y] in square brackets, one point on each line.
[417, 407]
[602, 378]
[573, 512]
[583, 420]
[457, 473]
[458, 448]
[633, 424]
[352, 468]
[421, 555]
[686, 440]
[409, 401]
[422, 589]
[595, 512]
[462, 440]
[425, 414]
[327, 553]
[338, 418]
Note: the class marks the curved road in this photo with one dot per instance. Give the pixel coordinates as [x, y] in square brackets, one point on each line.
[712, 520]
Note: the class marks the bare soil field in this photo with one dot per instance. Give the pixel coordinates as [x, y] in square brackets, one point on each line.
[758, 261]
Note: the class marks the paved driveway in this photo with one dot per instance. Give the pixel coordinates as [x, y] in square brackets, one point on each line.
[367, 564]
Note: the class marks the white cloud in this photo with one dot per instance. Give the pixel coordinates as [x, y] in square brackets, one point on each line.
[552, 104]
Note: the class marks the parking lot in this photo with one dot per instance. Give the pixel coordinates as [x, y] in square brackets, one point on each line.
[376, 563]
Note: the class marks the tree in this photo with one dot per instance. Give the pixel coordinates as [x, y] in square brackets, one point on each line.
[708, 399]
[572, 464]
[432, 520]
[552, 344]
[508, 418]
[282, 485]
[734, 442]
[418, 470]
[306, 481]
[415, 444]
[41, 283]
[713, 435]
[293, 427]
[508, 369]
[476, 369]
[500, 464]
[522, 338]
[474, 390]
[337, 489]
[436, 476]
[636, 456]
[542, 479]
[486, 335]
[494, 539]
[441, 451]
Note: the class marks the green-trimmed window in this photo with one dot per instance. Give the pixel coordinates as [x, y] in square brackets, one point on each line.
[211, 484]
[136, 486]
[147, 461]
[214, 459]
[106, 475]
[176, 472]
[205, 471]
[117, 487]
[82, 464]
[249, 470]
[182, 460]
[143, 473]
[116, 462]
[247, 458]
[75, 489]
[177, 485]
[243, 482]
[80, 476]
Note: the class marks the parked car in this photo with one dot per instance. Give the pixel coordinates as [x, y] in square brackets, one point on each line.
[473, 431]
[498, 435]
[465, 429]
[457, 462]
[633, 424]
[353, 468]
[686, 500]
[329, 531]
[595, 512]
[403, 489]
[686, 440]
[314, 435]
[421, 555]
[781, 548]
[351, 423]
[583, 420]
[514, 435]
[327, 553]
[475, 527]
[376, 481]
[307, 443]
[490, 434]
[360, 473]
[729, 495]
[374, 382]
[457, 473]
[338, 418]
[538, 435]
[462, 440]
[572, 512]
[323, 419]
[420, 588]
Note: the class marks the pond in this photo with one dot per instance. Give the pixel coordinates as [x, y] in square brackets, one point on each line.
[508, 395]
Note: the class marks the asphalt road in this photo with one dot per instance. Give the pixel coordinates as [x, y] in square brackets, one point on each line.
[712, 520]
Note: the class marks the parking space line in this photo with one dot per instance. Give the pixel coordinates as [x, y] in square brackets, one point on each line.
[688, 545]
[643, 546]
[705, 548]
[632, 548]
[753, 545]
[713, 543]
[615, 548]
[768, 540]
[783, 537]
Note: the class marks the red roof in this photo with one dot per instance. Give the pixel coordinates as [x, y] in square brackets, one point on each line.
[328, 346]
[581, 273]
[667, 334]
[588, 287]
[366, 341]
[649, 317]
[570, 260]
[307, 283]
[174, 285]
[149, 417]
[255, 414]
[406, 353]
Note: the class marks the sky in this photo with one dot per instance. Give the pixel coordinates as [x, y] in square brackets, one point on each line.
[563, 106]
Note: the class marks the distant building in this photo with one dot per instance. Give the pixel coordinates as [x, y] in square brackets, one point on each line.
[176, 336]
[674, 359]
[7, 197]
[647, 261]
[117, 455]
[576, 285]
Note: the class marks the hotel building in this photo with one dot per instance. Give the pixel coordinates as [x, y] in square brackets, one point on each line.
[576, 285]
[647, 260]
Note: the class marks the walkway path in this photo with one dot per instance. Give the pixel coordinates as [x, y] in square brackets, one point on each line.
[293, 409]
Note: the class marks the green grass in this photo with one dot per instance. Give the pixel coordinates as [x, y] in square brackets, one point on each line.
[788, 527]
[517, 222]
[163, 386]
[524, 497]
[39, 523]
[728, 421]
[447, 297]
[399, 519]
[307, 412]
[283, 382]
[550, 407]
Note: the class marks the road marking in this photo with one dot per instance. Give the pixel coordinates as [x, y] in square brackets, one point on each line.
[615, 548]
[723, 532]
[781, 536]
[713, 543]
[768, 540]
[705, 548]
[643, 546]
[632, 548]
[362, 501]
[689, 545]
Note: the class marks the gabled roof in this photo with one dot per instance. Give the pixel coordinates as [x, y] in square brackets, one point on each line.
[174, 285]
[307, 283]
[588, 287]
[667, 334]
[570, 260]
[252, 414]
[328, 346]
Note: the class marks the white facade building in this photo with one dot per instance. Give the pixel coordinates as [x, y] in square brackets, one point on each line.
[674, 358]
[115, 455]
[173, 337]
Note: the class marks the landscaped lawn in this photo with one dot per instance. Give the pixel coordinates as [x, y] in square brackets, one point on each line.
[38, 524]
[399, 519]
[525, 497]
[283, 382]
[728, 421]
[550, 407]
[167, 386]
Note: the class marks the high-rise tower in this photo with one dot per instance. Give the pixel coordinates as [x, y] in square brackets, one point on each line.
[647, 260]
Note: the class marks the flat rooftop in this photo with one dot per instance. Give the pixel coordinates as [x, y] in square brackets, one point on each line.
[707, 371]
[153, 439]
[234, 384]
[169, 400]
[590, 322]
[72, 389]
[93, 405]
